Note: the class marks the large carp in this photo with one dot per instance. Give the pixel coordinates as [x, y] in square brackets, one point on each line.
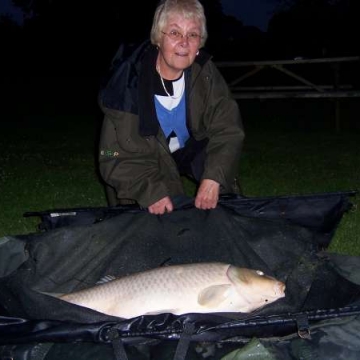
[180, 289]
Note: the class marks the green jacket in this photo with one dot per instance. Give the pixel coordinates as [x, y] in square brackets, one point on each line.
[134, 156]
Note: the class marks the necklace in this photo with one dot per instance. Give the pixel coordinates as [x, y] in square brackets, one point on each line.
[163, 84]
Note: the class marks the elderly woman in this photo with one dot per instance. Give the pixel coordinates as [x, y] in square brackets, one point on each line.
[169, 113]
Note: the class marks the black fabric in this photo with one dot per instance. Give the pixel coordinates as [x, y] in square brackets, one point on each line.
[56, 218]
[12, 254]
[190, 159]
[148, 121]
[120, 85]
[319, 212]
[272, 235]
[184, 342]
[119, 349]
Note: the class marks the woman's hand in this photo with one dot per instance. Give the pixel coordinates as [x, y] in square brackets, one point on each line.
[162, 206]
[207, 195]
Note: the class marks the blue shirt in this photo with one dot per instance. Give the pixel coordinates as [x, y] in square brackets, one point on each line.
[173, 120]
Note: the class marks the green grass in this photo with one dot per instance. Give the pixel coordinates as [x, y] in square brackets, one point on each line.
[306, 163]
[49, 164]
[48, 161]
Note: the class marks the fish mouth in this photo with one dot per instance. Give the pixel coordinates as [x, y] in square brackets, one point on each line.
[280, 289]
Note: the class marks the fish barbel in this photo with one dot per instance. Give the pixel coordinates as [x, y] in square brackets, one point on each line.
[180, 289]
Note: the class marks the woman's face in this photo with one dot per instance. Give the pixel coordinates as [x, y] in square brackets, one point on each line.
[179, 44]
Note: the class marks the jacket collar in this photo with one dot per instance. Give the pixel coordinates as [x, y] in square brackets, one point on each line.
[131, 85]
[148, 122]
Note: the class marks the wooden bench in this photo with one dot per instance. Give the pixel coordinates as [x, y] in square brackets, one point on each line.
[301, 87]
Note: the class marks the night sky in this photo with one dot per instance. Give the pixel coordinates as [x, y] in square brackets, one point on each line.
[250, 12]
[6, 7]
[316, 29]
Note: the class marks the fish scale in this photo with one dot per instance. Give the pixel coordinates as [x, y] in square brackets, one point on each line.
[179, 289]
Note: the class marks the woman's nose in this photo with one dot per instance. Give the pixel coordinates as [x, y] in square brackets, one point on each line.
[184, 40]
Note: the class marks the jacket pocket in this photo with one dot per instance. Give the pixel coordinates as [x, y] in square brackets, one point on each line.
[129, 140]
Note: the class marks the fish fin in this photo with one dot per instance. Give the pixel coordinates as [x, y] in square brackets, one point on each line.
[213, 295]
[105, 279]
[55, 295]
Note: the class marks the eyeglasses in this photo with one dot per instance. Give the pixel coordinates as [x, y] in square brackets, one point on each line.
[177, 35]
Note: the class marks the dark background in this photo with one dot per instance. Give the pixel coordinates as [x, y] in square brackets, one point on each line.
[66, 37]
[53, 62]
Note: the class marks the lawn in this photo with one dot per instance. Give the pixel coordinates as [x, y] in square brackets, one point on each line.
[48, 158]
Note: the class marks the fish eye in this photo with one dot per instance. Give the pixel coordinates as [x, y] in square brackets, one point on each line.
[266, 300]
[259, 272]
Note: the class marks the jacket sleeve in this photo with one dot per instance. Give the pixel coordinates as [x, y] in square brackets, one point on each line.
[224, 130]
[127, 161]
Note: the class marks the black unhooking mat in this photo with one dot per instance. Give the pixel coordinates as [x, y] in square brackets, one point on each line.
[285, 237]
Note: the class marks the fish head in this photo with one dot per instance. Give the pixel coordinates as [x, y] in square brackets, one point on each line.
[255, 287]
